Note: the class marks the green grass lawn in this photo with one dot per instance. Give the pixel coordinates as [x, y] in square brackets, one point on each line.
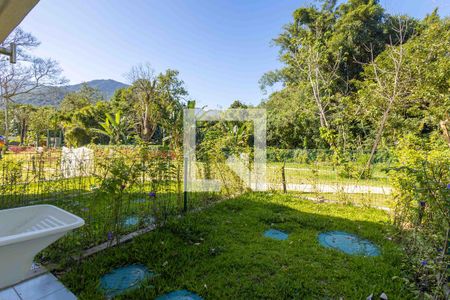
[367, 200]
[221, 253]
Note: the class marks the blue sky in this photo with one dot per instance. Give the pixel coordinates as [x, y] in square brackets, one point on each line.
[220, 47]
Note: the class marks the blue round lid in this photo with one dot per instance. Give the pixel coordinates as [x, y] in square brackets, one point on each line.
[139, 200]
[131, 221]
[348, 243]
[276, 234]
[180, 295]
[123, 279]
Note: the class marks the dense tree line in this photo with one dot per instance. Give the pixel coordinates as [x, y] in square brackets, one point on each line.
[355, 77]
[146, 111]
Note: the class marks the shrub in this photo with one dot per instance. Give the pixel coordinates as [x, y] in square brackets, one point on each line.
[422, 213]
[354, 167]
[77, 137]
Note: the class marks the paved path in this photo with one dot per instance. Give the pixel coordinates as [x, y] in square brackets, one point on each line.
[333, 188]
[42, 287]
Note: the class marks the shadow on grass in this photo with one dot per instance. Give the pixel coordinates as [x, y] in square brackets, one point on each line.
[221, 253]
[104, 217]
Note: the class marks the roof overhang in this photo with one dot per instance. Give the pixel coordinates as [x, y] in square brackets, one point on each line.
[12, 12]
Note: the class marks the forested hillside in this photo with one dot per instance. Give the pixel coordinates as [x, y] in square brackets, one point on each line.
[53, 95]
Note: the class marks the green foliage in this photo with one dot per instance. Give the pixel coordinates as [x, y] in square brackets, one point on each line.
[154, 99]
[338, 75]
[207, 250]
[423, 211]
[115, 127]
[80, 115]
[422, 175]
[291, 120]
[73, 102]
[119, 101]
[21, 119]
[323, 51]
[419, 99]
[288, 155]
[118, 174]
[77, 100]
[354, 167]
[89, 118]
[77, 137]
[11, 175]
[43, 119]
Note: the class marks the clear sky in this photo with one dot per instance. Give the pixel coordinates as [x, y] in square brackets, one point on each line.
[220, 47]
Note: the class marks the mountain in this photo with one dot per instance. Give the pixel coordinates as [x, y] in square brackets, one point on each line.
[53, 95]
[106, 86]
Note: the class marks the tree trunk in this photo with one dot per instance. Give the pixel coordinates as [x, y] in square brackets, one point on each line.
[23, 130]
[445, 131]
[6, 121]
[377, 138]
[398, 62]
[317, 98]
[145, 125]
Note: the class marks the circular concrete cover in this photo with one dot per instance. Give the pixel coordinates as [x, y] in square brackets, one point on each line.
[348, 243]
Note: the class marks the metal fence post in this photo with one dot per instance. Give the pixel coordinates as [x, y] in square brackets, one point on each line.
[185, 193]
[283, 177]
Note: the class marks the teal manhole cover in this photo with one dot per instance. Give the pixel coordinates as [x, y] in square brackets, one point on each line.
[123, 279]
[348, 243]
[140, 200]
[180, 295]
[276, 234]
[131, 221]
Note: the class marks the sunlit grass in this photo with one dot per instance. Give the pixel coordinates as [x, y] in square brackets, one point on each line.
[297, 173]
[220, 253]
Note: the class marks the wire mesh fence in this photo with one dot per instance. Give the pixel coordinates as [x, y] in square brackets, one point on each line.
[325, 175]
[75, 183]
[154, 191]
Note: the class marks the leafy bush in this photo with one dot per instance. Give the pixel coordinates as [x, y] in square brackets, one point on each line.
[298, 155]
[77, 137]
[422, 212]
[11, 172]
[119, 174]
[355, 167]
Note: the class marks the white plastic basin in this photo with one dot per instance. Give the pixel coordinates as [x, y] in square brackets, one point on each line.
[24, 232]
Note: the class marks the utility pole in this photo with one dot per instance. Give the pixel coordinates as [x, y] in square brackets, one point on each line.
[12, 53]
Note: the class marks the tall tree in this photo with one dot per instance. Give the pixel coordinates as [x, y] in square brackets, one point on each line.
[28, 74]
[405, 88]
[154, 97]
[21, 116]
[323, 51]
[82, 98]
[387, 84]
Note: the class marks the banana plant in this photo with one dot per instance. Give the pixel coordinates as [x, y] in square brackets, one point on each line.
[116, 128]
